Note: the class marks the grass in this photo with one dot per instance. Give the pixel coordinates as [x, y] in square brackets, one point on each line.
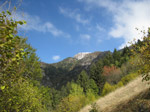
[121, 95]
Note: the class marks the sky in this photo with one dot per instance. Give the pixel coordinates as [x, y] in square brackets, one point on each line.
[58, 29]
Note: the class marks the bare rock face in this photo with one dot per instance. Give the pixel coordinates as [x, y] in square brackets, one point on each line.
[81, 55]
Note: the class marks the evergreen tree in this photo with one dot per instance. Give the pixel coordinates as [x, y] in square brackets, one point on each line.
[116, 57]
[83, 80]
[96, 71]
[93, 87]
[108, 60]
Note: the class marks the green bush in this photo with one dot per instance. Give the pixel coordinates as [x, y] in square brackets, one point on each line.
[90, 95]
[128, 78]
[71, 103]
[107, 89]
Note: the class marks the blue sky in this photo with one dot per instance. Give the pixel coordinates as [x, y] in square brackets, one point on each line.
[62, 28]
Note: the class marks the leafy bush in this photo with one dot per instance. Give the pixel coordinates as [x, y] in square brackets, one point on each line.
[128, 78]
[20, 72]
[90, 95]
[71, 103]
[107, 89]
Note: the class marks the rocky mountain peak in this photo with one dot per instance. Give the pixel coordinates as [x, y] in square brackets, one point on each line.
[81, 55]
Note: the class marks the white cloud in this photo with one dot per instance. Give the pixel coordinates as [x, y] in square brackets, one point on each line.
[74, 15]
[55, 58]
[85, 36]
[35, 23]
[127, 15]
[131, 15]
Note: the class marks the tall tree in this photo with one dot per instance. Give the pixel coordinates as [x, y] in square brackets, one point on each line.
[83, 80]
[96, 71]
[116, 57]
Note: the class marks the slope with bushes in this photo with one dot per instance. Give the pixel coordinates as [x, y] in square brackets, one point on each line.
[120, 96]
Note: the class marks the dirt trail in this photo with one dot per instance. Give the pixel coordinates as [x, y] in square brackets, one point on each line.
[123, 94]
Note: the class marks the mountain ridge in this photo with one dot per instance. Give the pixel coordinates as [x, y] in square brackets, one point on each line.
[69, 68]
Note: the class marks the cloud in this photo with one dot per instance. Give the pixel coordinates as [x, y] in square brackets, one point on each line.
[35, 23]
[127, 15]
[85, 36]
[131, 15]
[55, 58]
[74, 15]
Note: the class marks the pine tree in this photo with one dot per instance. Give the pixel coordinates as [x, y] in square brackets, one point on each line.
[96, 71]
[83, 80]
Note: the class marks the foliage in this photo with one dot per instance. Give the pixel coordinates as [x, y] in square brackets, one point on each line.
[21, 97]
[46, 98]
[108, 69]
[141, 49]
[71, 103]
[74, 101]
[93, 87]
[90, 96]
[107, 89]
[126, 79]
[20, 71]
[108, 60]
[117, 58]
[113, 74]
[86, 83]
[76, 89]
[83, 80]
[96, 71]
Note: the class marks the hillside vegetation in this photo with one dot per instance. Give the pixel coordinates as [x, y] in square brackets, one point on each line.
[121, 96]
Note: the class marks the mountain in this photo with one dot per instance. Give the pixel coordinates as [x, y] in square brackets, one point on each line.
[58, 74]
[81, 55]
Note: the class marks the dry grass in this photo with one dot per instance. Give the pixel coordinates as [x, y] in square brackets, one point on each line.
[121, 95]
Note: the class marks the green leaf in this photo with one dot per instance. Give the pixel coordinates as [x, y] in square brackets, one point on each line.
[9, 13]
[24, 21]
[20, 22]
[2, 87]
[11, 35]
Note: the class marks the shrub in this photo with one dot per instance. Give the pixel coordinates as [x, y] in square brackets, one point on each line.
[90, 96]
[107, 89]
[128, 78]
[71, 103]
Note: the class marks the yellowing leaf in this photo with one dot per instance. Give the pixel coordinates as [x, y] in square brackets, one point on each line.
[2, 87]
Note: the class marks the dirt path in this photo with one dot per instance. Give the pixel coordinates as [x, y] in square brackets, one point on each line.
[123, 94]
